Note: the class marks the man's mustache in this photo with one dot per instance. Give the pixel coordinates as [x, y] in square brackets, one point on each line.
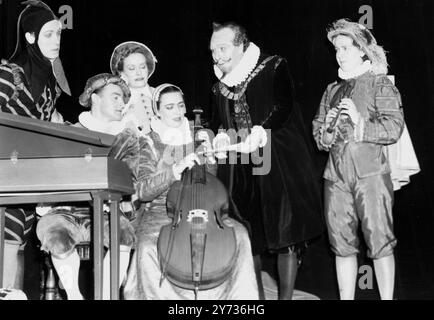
[221, 61]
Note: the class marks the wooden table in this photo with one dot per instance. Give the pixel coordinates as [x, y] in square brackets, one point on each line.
[99, 197]
[44, 162]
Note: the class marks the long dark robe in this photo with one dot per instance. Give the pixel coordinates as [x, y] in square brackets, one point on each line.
[283, 207]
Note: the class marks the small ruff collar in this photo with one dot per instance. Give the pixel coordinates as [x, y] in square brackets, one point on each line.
[363, 68]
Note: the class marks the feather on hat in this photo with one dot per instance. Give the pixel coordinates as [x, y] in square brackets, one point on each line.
[100, 81]
[365, 40]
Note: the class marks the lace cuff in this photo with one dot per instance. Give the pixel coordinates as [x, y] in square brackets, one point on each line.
[327, 146]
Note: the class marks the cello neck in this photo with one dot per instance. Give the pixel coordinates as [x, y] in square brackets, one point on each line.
[198, 172]
[197, 124]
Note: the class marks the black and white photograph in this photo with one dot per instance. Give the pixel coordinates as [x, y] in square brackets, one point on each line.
[225, 151]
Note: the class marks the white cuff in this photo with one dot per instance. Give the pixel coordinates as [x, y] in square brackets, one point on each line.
[262, 134]
[221, 138]
[176, 174]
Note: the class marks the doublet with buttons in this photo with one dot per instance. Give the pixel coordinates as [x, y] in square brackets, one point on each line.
[358, 186]
[379, 103]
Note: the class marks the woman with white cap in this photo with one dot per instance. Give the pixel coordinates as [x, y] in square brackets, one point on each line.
[135, 63]
[163, 158]
[357, 118]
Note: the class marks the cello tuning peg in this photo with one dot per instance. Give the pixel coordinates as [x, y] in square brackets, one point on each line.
[197, 110]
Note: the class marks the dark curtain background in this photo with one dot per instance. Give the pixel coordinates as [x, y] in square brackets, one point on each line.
[178, 34]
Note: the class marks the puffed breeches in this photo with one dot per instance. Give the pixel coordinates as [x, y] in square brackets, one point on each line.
[367, 201]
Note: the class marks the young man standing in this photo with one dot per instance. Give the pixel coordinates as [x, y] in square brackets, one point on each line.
[357, 118]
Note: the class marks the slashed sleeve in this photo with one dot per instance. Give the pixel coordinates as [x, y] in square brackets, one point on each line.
[386, 120]
[7, 87]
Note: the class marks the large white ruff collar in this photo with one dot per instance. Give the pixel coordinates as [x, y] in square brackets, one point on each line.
[363, 68]
[88, 121]
[241, 71]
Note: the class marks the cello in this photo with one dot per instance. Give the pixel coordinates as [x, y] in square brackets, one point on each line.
[197, 250]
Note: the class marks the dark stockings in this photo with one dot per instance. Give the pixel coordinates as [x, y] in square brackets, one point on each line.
[287, 264]
[258, 268]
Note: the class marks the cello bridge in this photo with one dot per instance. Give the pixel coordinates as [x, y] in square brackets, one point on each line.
[197, 216]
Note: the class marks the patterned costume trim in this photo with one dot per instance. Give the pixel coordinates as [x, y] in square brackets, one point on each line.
[236, 96]
[241, 108]
[17, 73]
[15, 96]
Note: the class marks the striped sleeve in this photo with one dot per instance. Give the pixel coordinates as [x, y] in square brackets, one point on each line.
[386, 124]
[7, 86]
[18, 223]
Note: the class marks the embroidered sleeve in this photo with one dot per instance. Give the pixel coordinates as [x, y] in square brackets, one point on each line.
[58, 93]
[7, 86]
[318, 123]
[386, 122]
[154, 175]
[282, 96]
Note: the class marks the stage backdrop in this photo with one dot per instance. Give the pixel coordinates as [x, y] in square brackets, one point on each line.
[178, 34]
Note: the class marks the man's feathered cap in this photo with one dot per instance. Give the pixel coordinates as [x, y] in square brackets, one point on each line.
[99, 81]
[364, 39]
